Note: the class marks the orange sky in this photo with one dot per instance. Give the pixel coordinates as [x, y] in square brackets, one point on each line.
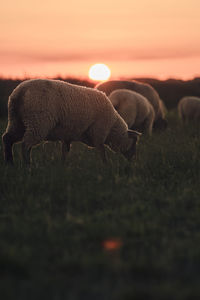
[135, 38]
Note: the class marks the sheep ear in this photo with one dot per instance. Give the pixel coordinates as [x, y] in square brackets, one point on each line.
[133, 133]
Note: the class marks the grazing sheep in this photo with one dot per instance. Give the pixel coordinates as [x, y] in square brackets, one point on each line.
[49, 110]
[142, 88]
[189, 108]
[134, 108]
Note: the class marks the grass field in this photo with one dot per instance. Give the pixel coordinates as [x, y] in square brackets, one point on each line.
[56, 221]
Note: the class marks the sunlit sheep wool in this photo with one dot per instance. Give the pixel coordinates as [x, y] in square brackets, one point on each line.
[189, 108]
[52, 110]
[142, 88]
[134, 108]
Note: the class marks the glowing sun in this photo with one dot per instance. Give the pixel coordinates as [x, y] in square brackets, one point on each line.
[99, 72]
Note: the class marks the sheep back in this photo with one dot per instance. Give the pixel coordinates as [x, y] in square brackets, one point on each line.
[55, 110]
[56, 105]
[142, 88]
[134, 108]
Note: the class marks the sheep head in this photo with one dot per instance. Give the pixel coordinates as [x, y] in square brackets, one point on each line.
[131, 152]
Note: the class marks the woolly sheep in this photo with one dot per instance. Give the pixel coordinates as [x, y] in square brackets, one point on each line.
[189, 108]
[49, 110]
[142, 88]
[134, 108]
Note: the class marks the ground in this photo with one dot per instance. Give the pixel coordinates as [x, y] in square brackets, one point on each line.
[56, 220]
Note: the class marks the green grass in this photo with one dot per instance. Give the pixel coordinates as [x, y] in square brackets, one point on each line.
[54, 219]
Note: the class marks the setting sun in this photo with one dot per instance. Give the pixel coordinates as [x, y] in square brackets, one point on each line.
[99, 72]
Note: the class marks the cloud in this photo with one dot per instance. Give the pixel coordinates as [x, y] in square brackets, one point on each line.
[98, 55]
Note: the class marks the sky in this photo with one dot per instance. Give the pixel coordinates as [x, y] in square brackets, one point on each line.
[146, 38]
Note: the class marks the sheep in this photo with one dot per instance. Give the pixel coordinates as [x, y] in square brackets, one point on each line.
[189, 108]
[142, 88]
[134, 108]
[52, 110]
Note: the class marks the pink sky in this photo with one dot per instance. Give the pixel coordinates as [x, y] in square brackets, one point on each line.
[134, 38]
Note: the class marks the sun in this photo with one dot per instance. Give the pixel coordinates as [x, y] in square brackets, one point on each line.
[99, 72]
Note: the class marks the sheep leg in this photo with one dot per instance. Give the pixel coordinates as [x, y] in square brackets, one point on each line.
[30, 139]
[96, 136]
[26, 153]
[102, 152]
[8, 140]
[65, 149]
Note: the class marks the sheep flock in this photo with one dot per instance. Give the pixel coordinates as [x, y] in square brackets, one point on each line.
[113, 113]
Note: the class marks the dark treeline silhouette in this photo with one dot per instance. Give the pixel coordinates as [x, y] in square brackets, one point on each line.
[6, 87]
[170, 91]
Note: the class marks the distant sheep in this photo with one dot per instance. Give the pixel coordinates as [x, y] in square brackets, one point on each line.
[134, 108]
[189, 108]
[49, 110]
[142, 88]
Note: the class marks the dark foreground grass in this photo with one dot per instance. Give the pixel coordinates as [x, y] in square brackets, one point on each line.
[55, 219]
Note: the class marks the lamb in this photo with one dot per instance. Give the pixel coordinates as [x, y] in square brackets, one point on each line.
[142, 88]
[189, 108]
[50, 110]
[134, 108]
